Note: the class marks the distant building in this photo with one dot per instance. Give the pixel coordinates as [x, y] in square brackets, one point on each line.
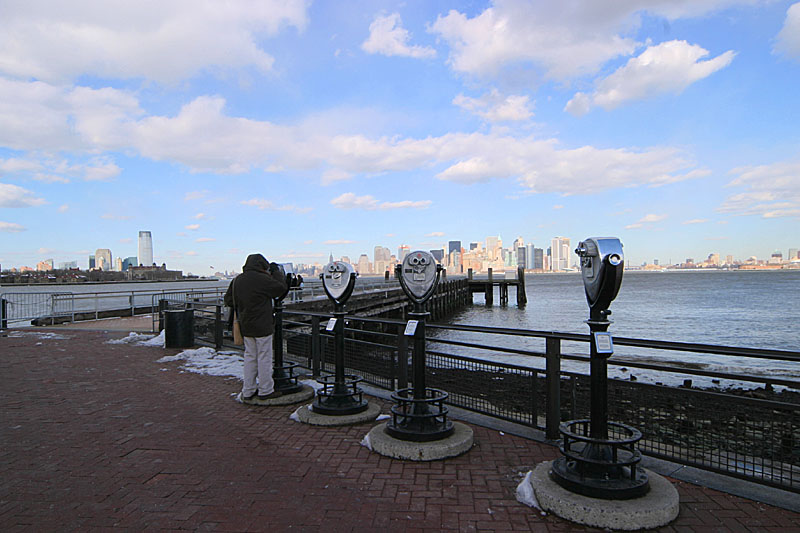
[437, 254]
[153, 273]
[102, 259]
[69, 265]
[793, 254]
[402, 252]
[538, 259]
[129, 262]
[91, 262]
[145, 248]
[776, 258]
[559, 254]
[45, 266]
[363, 266]
[522, 257]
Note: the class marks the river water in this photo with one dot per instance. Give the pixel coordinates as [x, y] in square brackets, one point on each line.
[753, 309]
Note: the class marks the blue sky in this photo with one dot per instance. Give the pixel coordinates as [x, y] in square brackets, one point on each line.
[298, 129]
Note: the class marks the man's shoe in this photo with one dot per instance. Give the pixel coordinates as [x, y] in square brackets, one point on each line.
[250, 398]
[271, 395]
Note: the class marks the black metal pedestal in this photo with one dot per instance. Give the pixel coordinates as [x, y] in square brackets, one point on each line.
[282, 373]
[419, 414]
[342, 395]
[595, 464]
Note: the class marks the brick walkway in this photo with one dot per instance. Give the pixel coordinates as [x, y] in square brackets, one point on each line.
[99, 436]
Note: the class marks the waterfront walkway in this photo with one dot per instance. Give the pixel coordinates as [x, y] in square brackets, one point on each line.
[95, 436]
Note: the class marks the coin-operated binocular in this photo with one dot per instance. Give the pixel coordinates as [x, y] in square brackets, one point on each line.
[419, 414]
[340, 395]
[419, 274]
[593, 464]
[282, 372]
[602, 263]
[338, 280]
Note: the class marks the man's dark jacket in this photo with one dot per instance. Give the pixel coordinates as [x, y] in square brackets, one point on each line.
[254, 290]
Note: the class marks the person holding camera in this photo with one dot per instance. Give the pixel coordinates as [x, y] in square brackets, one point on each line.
[250, 294]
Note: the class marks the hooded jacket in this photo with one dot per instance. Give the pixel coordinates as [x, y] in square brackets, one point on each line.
[254, 290]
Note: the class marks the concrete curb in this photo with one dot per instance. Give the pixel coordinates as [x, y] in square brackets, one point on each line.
[456, 444]
[656, 508]
[304, 394]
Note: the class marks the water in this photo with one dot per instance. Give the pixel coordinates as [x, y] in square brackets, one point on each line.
[753, 309]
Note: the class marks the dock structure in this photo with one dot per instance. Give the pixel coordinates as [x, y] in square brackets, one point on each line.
[488, 284]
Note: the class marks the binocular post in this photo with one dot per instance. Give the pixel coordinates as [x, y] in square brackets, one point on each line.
[282, 374]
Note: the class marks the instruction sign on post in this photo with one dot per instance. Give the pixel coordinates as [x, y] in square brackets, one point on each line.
[331, 324]
[411, 327]
[603, 342]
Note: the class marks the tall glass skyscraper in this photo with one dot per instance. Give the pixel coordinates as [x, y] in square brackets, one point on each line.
[145, 248]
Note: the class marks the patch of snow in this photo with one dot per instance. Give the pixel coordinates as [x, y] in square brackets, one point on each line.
[365, 442]
[39, 334]
[158, 340]
[132, 338]
[383, 417]
[314, 384]
[294, 416]
[210, 362]
[525, 493]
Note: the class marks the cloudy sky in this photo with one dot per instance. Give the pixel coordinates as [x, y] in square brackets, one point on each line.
[299, 129]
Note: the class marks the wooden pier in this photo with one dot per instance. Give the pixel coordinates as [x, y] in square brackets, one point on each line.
[487, 286]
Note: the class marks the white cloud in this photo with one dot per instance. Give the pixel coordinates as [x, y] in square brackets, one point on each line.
[788, 40]
[11, 227]
[193, 227]
[50, 178]
[668, 67]
[772, 191]
[165, 42]
[646, 220]
[695, 221]
[63, 208]
[14, 165]
[562, 39]
[333, 175]
[101, 170]
[15, 196]
[204, 139]
[494, 107]
[205, 239]
[388, 37]
[262, 204]
[435, 234]
[349, 200]
[114, 216]
[339, 241]
[200, 216]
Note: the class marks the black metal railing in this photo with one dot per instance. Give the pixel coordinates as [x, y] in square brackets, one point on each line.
[751, 432]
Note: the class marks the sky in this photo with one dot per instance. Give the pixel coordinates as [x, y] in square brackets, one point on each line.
[300, 129]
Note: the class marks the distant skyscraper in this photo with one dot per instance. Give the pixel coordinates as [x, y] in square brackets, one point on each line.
[402, 252]
[522, 256]
[363, 266]
[92, 262]
[102, 259]
[538, 258]
[559, 254]
[493, 244]
[474, 246]
[145, 248]
[437, 254]
[792, 253]
[529, 252]
[129, 262]
[454, 246]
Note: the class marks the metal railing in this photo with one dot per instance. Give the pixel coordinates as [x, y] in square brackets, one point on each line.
[17, 307]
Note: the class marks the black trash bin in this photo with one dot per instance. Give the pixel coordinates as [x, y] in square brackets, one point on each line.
[179, 329]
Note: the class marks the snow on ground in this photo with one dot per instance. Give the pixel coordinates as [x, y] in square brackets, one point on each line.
[525, 493]
[39, 334]
[141, 339]
[209, 361]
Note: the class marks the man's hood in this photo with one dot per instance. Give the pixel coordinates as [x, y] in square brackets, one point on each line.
[256, 262]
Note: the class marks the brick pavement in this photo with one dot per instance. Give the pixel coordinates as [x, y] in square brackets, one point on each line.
[96, 436]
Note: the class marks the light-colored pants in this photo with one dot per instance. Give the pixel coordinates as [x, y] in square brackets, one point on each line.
[258, 365]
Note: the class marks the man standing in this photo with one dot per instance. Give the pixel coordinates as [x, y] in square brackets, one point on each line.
[251, 294]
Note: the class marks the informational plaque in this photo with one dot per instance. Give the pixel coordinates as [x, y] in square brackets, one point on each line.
[411, 327]
[603, 342]
[331, 324]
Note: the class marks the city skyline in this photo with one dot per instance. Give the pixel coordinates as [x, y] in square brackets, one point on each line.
[383, 256]
[297, 129]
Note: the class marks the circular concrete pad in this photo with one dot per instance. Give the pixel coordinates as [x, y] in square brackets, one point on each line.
[307, 416]
[656, 508]
[456, 444]
[304, 394]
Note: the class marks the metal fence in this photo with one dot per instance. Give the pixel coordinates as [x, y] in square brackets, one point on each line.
[17, 307]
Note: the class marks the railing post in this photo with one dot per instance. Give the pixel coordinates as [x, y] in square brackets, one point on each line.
[553, 370]
[3, 313]
[162, 305]
[315, 347]
[218, 326]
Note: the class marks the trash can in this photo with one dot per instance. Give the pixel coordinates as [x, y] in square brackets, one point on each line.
[179, 329]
